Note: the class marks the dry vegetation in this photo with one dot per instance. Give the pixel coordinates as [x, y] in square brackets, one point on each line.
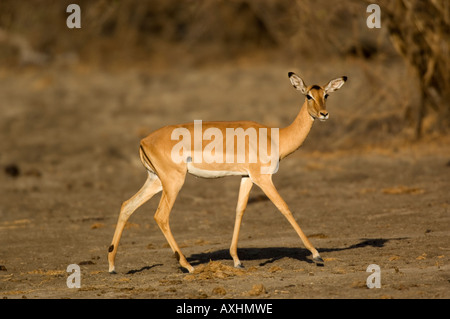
[420, 31]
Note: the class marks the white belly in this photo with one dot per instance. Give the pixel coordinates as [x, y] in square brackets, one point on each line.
[206, 173]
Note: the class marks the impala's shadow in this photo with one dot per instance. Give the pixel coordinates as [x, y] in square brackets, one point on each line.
[272, 254]
[133, 271]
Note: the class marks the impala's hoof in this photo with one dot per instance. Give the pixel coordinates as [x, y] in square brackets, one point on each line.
[318, 260]
[189, 269]
[112, 269]
[239, 266]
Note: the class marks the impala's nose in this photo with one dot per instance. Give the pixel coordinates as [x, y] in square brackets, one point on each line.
[323, 115]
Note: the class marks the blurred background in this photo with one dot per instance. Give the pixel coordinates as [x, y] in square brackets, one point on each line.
[135, 66]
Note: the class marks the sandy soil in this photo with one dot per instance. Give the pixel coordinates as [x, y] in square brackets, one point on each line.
[69, 159]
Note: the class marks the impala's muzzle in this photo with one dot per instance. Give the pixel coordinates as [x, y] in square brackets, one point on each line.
[323, 115]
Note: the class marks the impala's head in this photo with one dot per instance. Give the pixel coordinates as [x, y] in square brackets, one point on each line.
[316, 96]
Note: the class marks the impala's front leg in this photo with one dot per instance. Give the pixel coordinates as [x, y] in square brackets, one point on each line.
[244, 192]
[266, 184]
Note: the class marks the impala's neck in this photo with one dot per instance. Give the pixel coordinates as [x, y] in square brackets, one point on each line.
[292, 136]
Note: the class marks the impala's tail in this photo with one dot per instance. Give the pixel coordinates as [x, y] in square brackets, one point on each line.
[146, 160]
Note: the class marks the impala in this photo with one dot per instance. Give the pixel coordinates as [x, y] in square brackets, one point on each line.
[168, 153]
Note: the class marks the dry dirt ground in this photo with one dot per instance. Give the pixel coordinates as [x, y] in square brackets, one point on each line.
[68, 158]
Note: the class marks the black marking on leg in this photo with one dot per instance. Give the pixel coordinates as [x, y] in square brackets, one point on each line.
[111, 248]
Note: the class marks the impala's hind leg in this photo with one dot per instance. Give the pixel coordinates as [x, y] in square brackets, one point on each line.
[171, 186]
[151, 187]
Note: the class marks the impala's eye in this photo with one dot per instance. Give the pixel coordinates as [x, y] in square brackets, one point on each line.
[326, 96]
[309, 97]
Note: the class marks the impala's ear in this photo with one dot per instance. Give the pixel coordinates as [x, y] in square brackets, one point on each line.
[297, 82]
[335, 84]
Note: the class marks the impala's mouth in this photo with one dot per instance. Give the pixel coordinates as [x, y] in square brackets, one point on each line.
[320, 118]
